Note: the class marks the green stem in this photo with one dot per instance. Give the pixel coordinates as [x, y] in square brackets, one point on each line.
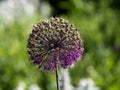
[57, 81]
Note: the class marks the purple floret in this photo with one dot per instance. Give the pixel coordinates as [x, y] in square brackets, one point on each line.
[70, 57]
[51, 65]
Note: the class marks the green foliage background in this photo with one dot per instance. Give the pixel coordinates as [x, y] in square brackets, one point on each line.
[99, 26]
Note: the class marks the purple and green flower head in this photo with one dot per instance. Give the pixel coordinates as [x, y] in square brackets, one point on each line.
[54, 42]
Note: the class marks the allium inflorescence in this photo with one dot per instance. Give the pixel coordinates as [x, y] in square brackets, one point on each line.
[54, 41]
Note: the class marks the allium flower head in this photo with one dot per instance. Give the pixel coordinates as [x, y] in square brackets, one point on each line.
[54, 41]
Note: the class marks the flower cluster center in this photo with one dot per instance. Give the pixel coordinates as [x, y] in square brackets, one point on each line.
[54, 46]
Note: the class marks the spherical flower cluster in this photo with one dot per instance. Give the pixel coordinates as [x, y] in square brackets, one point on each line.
[54, 41]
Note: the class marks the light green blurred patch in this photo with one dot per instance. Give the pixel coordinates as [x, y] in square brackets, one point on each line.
[14, 47]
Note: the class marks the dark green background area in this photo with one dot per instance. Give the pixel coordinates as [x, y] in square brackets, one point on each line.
[98, 22]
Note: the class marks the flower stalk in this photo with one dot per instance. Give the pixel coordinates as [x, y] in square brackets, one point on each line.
[57, 78]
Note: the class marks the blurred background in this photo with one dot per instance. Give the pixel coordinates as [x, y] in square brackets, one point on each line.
[98, 22]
